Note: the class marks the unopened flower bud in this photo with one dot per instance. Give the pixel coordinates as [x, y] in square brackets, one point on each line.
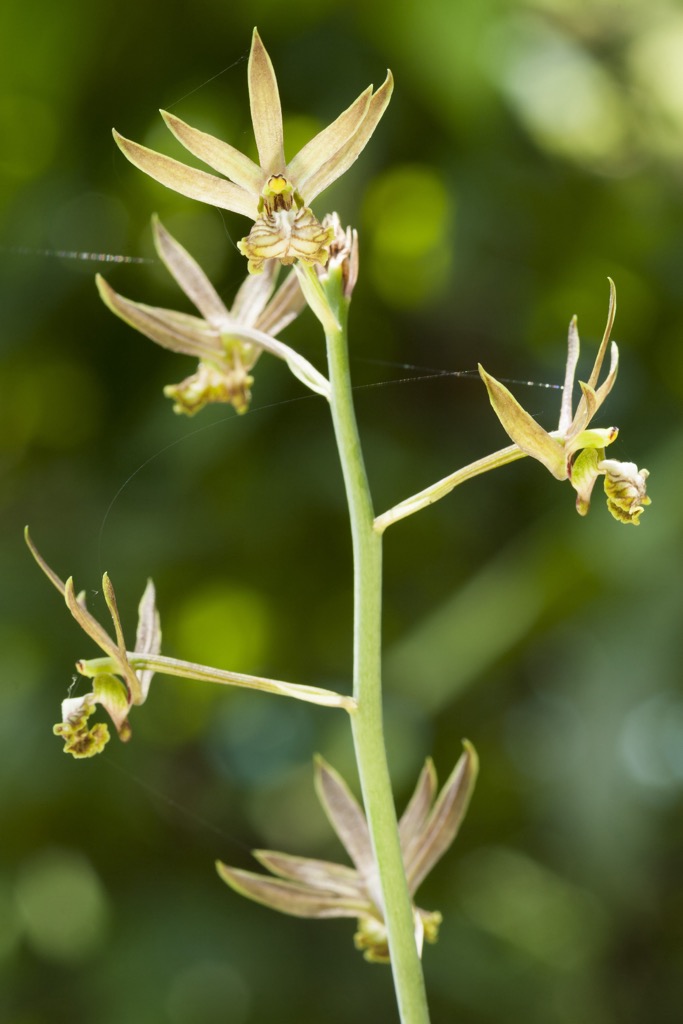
[343, 254]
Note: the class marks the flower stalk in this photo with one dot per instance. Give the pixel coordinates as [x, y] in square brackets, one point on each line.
[367, 721]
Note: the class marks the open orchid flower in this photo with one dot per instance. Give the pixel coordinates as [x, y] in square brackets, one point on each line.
[575, 451]
[275, 194]
[316, 888]
[226, 342]
[116, 695]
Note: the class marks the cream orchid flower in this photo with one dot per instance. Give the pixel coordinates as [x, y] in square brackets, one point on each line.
[305, 887]
[226, 342]
[275, 194]
[116, 695]
[575, 451]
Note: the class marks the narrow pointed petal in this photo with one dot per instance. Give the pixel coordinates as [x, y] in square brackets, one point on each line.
[87, 622]
[266, 113]
[289, 897]
[317, 874]
[223, 157]
[189, 275]
[188, 181]
[445, 818]
[342, 160]
[148, 635]
[345, 817]
[284, 307]
[110, 598]
[573, 348]
[611, 313]
[51, 575]
[591, 399]
[416, 813]
[253, 295]
[608, 383]
[583, 413]
[132, 681]
[329, 141]
[178, 332]
[523, 428]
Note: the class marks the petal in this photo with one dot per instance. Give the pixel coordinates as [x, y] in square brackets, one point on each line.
[608, 383]
[316, 874]
[611, 313]
[189, 275]
[348, 821]
[253, 295]
[343, 159]
[188, 181]
[445, 819]
[89, 623]
[51, 575]
[75, 604]
[178, 332]
[132, 680]
[585, 410]
[626, 490]
[266, 113]
[416, 813]
[284, 307]
[80, 740]
[327, 143]
[148, 636]
[223, 157]
[573, 348]
[289, 897]
[523, 428]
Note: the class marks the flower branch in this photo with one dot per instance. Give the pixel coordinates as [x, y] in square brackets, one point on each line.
[121, 680]
[574, 452]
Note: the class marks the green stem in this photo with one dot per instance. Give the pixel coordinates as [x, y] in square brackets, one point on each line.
[443, 487]
[367, 720]
[162, 665]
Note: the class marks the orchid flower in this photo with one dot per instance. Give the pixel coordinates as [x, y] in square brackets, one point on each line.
[116, 695]
[226, 342]
[576, 451]
[305, 887]
[274, 193]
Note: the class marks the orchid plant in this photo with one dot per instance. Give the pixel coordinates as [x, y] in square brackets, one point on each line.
[390, 857]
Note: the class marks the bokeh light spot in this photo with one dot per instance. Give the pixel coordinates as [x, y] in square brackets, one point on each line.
[566, 100]
[224, 625]
[408, 216]
[62, 906]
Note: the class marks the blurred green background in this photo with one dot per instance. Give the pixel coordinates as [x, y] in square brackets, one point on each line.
[531, 149]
